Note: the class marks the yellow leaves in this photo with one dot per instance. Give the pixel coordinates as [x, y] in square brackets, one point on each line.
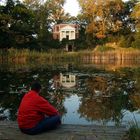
[100, 35]
[88, 5]
[97, 83]
[91, 28]
[136, 12]
[136, 15]
[118, 25]
[101, 16]
[32, 3]
[97, 28]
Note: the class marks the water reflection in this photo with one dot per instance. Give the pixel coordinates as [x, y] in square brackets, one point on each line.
[83, 95]
[67, 80]
[135, 99]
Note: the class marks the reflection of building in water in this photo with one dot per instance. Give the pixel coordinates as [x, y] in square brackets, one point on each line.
[68, 80]
[64, 80]
[56, 80]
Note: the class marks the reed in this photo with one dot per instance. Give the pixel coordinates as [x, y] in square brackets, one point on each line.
[25, 55]
[133, 132]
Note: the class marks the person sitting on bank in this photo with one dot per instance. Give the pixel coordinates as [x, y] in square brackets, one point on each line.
[36, 114]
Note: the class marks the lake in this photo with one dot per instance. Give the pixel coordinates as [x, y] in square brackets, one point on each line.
[84, 93]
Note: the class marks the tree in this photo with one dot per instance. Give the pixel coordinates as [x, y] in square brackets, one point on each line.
[136, 15]
[23, 24]
[102, 16]
[56, 10]
[9, 7]
[17, 25]
[47, 14]
[6, 38]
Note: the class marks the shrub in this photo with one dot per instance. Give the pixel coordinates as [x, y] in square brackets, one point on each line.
[104, 48]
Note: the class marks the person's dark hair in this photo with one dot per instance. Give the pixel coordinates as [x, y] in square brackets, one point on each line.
[36, 86]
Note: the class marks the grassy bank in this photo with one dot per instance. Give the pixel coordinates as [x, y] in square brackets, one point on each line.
[133, 133]
[25, 55]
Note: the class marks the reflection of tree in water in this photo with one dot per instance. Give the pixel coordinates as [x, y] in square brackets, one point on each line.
[94, 109]
[97, 85]
[13, 85]
[10, 103]
[105, 98]
[133, 73]
[135, 99]
[103, 108]
[94, 92]
[57, 99]
[109, 85]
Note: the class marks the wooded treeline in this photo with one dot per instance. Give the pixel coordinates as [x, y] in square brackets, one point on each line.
[28, 24]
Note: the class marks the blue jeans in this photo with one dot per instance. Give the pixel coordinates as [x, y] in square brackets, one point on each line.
[48, 123]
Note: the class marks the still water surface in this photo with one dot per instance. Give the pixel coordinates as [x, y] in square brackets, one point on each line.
[83, 94]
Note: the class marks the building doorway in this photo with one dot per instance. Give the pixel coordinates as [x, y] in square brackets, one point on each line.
[70, 48]
[67, 37]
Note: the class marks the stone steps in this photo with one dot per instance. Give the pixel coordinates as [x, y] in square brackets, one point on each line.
[9, 131]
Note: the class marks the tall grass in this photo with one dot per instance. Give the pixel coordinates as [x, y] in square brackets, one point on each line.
[25, 55]
[134, 133]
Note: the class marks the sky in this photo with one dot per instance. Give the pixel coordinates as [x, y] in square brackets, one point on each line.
[72, 7]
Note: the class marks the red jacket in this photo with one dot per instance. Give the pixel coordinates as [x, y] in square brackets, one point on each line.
[33, 109]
